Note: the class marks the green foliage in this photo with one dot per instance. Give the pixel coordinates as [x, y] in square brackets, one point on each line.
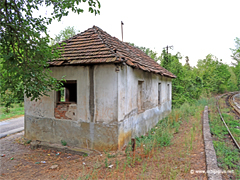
[29, 141]
[236, 63]
[236, 51]
[109, 155]
[24, 49]
[210, 76]
[219, 130]
[159, 136]
[232, 83]
[148, 51]
[13, 111]
[64, 143]
[214, 73]
[106, 163]
[227, 155]
[65, 34]
[237, 72]
[188, 85]
[7, 100]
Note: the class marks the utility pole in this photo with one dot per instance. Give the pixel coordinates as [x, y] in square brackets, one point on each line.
[170, 47]
[122, 29]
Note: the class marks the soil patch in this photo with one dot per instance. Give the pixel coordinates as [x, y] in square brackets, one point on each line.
[184, 155]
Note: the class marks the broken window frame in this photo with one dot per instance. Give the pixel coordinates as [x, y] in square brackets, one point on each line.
[70, 92]
[140, 95]
[159, 93]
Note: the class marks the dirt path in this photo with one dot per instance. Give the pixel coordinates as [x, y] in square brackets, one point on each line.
[176, 161]
[9, 148]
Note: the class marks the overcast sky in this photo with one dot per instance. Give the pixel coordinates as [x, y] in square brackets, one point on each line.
[194, 28]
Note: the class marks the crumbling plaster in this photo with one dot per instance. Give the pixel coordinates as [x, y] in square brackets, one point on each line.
[116, 117]
[105, 94]
[131, 123]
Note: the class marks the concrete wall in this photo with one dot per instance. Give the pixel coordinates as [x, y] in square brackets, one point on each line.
[105, 95]
[45, 106]
[87, 125]
[107, 112]
[131, 121]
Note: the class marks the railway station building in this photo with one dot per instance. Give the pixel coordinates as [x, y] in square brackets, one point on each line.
[112, 93]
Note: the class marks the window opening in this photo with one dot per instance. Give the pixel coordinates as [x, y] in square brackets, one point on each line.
[159, 93]
[140, 95]
[62, 95]
[68, 93]
[168, 92]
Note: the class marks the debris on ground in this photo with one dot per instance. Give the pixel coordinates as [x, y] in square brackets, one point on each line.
[110, 166]
[54, 166]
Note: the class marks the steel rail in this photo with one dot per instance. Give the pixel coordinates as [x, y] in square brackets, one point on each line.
[230, 100]
[234, 140]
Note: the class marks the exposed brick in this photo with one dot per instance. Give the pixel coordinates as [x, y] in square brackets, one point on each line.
[60, 111]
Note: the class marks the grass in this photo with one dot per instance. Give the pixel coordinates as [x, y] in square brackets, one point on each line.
[64, 143]
[227, 155]
[16, 111]
[168, 151]
[163, 153]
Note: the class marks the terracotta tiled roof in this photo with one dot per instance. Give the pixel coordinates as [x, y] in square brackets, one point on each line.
[95, 46]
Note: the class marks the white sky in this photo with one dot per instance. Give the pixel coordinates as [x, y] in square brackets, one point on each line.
[194, 28]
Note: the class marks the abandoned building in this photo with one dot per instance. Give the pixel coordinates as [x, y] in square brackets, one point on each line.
[113, 92]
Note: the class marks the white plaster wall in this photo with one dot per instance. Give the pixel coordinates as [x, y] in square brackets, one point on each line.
[41, 108]
[115, 101]
[106, 96]
[133, 123]
[102, 134]
[45, 106]
[128, 87]
[81, 74]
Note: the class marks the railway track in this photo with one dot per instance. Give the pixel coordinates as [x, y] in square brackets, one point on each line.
[234, 105]
[235, 108]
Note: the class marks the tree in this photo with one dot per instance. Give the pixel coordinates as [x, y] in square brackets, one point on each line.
[211, 76]
[214, 73]
[24, 49]
[148, 51]
[188, 85]
[236, 58]
[187, 62]
[233, 80]
[236, 52]
[64, 34]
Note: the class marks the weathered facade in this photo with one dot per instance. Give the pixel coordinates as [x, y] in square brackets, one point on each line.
[113, 92]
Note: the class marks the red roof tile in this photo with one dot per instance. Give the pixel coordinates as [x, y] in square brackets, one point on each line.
[96, 46]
